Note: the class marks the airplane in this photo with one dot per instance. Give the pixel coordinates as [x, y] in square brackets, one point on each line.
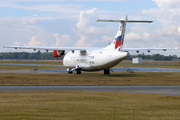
[93, 58]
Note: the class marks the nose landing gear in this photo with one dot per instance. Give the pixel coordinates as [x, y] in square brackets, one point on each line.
[76, 70]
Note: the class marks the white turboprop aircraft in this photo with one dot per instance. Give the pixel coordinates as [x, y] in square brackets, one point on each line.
[95, 59]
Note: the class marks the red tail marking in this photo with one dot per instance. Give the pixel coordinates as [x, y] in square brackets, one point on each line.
[117, 44]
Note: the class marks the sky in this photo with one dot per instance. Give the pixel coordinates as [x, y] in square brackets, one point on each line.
[72, 23]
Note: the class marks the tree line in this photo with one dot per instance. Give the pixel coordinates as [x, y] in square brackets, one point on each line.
[30, 56]
[49, 56]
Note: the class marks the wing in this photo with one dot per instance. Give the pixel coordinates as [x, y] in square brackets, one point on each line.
[50, 48]
[148, 49]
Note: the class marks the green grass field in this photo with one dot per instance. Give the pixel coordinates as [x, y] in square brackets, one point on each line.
[22, 67]
[82, 105]
[144, 78]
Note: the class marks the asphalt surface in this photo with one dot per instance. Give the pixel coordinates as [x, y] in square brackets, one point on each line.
[149, 89]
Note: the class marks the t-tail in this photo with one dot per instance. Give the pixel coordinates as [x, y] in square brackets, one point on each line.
[118, 41]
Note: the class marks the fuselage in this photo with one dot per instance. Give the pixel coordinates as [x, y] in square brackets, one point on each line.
[93, 61]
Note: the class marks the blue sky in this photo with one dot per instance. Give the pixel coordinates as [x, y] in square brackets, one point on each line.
[73, 23]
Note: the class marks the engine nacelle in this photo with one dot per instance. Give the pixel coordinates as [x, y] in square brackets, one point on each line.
[58, 53]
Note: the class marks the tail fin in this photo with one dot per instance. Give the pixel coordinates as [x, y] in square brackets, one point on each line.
[119, 38]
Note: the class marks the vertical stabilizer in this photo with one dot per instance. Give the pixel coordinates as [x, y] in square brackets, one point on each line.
[119, 38]
[117, 43]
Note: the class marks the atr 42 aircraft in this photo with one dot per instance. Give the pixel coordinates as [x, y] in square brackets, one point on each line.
[95, 59]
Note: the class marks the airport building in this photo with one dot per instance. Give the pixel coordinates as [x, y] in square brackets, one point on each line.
[137, 60]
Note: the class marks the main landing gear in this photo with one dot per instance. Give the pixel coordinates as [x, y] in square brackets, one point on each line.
[76, 71]
[70, 72]
[106, 71]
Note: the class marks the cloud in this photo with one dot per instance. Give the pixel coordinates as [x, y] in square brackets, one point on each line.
[29, 20]
[168, 3]
[85, 18]
[35, 42]
[179, 31]
[132, 36]
[107, 39]
[88, 30]
[17, 43]
[81, 42]
[62, 40]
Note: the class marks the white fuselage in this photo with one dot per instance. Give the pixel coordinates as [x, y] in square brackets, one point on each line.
[94, 60]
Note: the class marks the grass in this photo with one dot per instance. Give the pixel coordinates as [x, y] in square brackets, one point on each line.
[151, 64]
[22, 67]
[56, 62]
[80, 105]
[120, 78]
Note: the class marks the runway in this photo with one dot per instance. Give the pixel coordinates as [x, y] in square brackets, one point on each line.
[149, 89]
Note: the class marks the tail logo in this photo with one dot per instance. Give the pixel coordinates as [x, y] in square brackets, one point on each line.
[119, 41]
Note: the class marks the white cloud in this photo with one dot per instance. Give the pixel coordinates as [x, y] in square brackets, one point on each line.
[81, 42]
[17, 43]
[132, 36]
[98, 30]
[35, 42]
[168, 3]
[88, 30]
[179, 31]
[107, 39]
[62, 40]
[29, 20]
[84, 18]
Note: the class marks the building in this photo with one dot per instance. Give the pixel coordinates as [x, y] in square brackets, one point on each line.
[137, 60]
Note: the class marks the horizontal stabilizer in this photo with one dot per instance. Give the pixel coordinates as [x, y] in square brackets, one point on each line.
[141, 21]
[110, 20]
[129, 21]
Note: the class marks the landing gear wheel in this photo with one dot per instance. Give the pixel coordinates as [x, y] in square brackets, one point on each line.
[70, 72]
[106, 71]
